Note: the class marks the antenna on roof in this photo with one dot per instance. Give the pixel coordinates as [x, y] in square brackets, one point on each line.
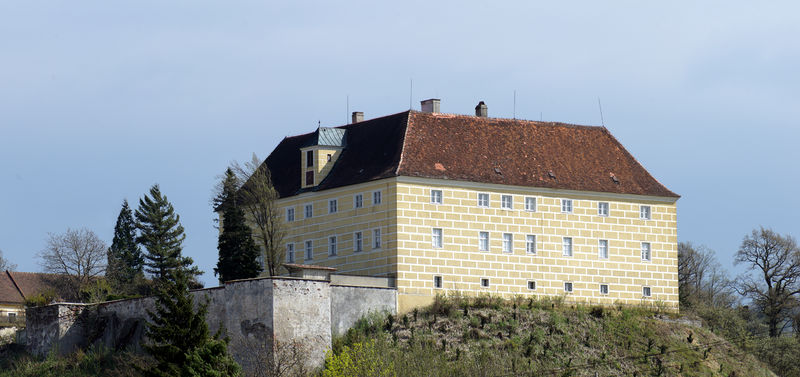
[410, 92]
[602, 122]
[515, 104]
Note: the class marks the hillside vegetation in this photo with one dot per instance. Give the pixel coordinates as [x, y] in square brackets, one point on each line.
[487, 336]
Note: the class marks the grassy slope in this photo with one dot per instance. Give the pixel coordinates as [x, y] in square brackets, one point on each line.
[491, 337]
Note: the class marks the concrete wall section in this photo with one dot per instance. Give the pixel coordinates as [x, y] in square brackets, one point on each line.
[349, 303]
[302, 319]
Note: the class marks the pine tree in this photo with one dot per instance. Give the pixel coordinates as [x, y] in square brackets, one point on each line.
[238, 254]
[125, 261]
[161, 233]
[179, 337]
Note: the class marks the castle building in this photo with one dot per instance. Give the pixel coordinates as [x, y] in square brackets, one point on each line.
[445, 203]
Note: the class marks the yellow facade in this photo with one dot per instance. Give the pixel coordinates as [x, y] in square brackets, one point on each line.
[409, 222]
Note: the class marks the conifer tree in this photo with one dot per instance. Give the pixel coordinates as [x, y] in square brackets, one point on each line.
[125, 261]
[238, 254]
[179, 337]
[161, 233]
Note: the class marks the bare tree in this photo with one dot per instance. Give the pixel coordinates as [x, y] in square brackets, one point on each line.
[259, 199]
[77, 254]
[774, 280]
[701, 278]
[5, 264]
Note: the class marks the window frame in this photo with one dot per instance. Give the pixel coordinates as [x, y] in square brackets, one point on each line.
[485, 283]
[309, 159]
[603, 209]
[648, 290]
[358, 241]
[290, 252]
[438, 282]
[377, 197]
[571, 287]
[377, 240]
[289, 214]
[309, 245]
[567, 206]
[481, 197]
[606, 289]
[507, 202]
[333, 206]
[528, 201]
[529, 285]
[332, 246]
[649, 249]
[600, 249]
[483, 241]
[358, 201]
[567, 246]
[437, 196]
[508, 243]
[645, 212]
[530, 244]
[437, 240]
[308, 210]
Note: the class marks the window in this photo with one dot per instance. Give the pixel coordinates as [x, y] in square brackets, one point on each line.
[644, 212]
[568, 287]
[358, 241]
[376, 198]
[602, 208]
[484, 283]
[530, 244]
[567, 246]
[309, 210]
[508, 243]
[530, 204]
[310, 178]
[329, 157]
[290, 253]
[566, 205]
[436, 237]
[506, 202]
[436, 196]
[12, 317]
[358, 201]
[437, 281]
[483, 200]
[602, 248]
[332, 245]
[333, 206]
[290, 214]
[376, 238]
[531, 285]
[646, 292]
[483, 241]
[309, 250]
[309, 158]
[603, 289]
[646, 255]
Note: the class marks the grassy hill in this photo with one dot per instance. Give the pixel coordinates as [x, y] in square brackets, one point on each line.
[487, 336]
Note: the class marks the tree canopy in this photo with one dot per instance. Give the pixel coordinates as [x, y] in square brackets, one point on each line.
[238, 254]
[125, 260]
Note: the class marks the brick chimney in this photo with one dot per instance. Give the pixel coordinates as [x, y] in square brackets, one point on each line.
[430, 105]
[481, 110]
[358, 116]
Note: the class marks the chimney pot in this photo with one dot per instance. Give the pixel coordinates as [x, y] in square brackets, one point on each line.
[481, 110]
[430, 105]
[358, 116]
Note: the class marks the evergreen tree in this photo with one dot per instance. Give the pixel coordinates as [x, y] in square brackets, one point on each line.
[125, 261]
[238, 254]
[161, 233]
[179, 337]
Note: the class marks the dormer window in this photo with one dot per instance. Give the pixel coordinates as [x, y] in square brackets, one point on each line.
[310, 178]
[309, 159]
[329, 157]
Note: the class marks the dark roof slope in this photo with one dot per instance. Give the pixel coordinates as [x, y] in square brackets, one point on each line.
[15, 287]
[468, 148]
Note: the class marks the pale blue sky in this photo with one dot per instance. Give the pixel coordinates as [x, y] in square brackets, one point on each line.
[99, 100]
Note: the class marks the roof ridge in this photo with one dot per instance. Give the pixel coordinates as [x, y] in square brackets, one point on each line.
[517, 120]
[403, 144]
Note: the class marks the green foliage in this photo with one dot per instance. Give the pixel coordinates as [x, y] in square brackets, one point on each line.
[42, 299]
[93, 362]
[125, 260]
[238, 254]
[180, 341]
[161, 233]
[359, 360]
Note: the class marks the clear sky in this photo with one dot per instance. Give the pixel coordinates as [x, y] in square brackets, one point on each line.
[100, 100]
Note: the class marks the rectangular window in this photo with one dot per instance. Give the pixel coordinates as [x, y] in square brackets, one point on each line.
[376, 198]
[508, 243]
[602, 248]
[329, 157]
[531, 285]
[568, 287]
[310, 178]
[566, 205]
[358, 241]
[567, 246]
[484, 283]
[530, 244]
[309, 210]
[436, 237]
[290, 253]
[646, 292]
[358, 201]
[646, 255]
[483, 200]
[644, 212]
[436, 196]
[332, 245]
[376, 238]
[530, 204]
[289, 214]
[603, 289]
[333, 206]
[602, 208]
[309, 250]
[437, 281]
[506, 202]
[309, 158]
[483, 241]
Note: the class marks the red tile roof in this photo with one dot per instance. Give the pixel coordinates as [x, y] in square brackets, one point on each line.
[474, 149]
[15, 287]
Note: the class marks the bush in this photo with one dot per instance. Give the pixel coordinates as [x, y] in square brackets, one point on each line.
[361, 359]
